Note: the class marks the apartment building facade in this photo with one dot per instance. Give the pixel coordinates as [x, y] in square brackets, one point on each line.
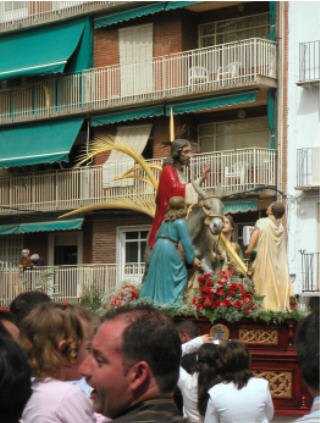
[304, 152]
[85, 70]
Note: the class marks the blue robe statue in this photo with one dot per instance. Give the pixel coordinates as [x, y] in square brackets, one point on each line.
[167, 275]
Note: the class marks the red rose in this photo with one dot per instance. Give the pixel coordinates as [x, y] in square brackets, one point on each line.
[293, 306]
[220, 283]
[134, 296]
[226, 302]
[199, 307]
[207, 303]
[248, 309]
[122, 294]
[247, 299]
[219, 291]
[243, 293]
[207, 275]
[240, 285]
[201, 278]
[216, 304]
[233, 286]
[238, 304]
[209, 283]
[195, 300]
[231, 293]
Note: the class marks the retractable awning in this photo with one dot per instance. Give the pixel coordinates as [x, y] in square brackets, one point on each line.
[128, 14]
[240, 206]
[171, 5]
[47, 49]
[129, 114]
[208, 103]
[38, 143]
[47, 226]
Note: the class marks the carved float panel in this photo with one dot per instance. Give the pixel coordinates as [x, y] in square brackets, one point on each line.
[266, 336]
[280, 382]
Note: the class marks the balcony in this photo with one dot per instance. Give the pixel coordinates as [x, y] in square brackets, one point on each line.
[308, 168]
[310, 265]
[22, 14]
[235, 171]
[68, 282]
[309, 63]
[244, 64]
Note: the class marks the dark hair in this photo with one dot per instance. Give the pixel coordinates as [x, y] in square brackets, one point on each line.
[307, 348]
[230, 218]
[189, 327]
[7, 315]
[152, 337]
[234, 363]
[26, 301]
[15, 381]
[207, 367]
[277, 209]
[176, 148]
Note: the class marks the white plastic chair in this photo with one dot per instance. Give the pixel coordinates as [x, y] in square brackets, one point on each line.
[197, 75]
[236, 171]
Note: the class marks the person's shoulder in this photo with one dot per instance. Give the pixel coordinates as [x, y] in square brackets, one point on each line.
[258, 382]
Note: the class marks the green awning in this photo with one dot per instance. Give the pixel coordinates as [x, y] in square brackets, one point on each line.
[171, 5]
[209, 103]
[53, 225]
[38, 143]
[46, 49]
[128, 14]
[240, 206]
[130, 114]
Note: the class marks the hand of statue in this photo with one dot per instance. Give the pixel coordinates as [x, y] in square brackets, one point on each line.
[206, 339]
[197, 263]
[205, 172]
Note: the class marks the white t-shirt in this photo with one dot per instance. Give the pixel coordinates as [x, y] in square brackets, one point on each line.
[54, 401]
[250, 404]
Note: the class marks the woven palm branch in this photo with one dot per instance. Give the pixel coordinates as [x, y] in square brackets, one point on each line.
[108, 143]
[232, 254]
[141, 205]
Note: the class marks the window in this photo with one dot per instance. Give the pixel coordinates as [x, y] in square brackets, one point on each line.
[229, 30]
[244, 133]
[131, 247]
[65, 248]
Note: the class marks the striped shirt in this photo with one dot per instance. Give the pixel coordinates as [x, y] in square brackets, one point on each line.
[314, 416]
[154, 410]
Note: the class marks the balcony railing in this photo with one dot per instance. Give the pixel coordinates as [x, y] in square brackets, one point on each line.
[308, 167]
[310, 265]
[234, 171]
[22, 14]
[309, 62]
[68, 282]
[245, 63]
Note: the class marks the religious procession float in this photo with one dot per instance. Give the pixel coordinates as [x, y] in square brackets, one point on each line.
[194, 270]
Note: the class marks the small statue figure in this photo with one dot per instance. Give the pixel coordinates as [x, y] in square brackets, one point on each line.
[167, 276]
[271, 275]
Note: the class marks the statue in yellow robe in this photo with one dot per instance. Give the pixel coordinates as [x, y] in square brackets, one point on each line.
[271, 275]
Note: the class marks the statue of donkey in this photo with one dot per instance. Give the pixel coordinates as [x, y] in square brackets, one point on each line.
[204, 221]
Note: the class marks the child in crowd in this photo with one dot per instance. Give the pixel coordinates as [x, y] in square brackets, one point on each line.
[56, 338]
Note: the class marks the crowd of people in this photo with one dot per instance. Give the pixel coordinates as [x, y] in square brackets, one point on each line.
[59, 364]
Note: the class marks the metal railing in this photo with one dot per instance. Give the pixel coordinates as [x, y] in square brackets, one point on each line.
[227, 66]
[22, 14]
[308, 167]
[232, 170]
[68, 282]
[309, 61]
[310, 266]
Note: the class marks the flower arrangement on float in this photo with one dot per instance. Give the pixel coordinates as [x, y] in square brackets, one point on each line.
[122, 296]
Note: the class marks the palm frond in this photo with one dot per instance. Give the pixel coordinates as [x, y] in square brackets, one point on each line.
[232, 254]
[142, 205]
[108, 143]
[134, 176]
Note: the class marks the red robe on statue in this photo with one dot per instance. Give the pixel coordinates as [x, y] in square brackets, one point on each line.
[169, 186]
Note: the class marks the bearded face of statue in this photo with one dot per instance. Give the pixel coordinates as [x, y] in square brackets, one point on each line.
[181, 151]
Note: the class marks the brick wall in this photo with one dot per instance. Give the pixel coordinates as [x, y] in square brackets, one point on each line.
[104, 229]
